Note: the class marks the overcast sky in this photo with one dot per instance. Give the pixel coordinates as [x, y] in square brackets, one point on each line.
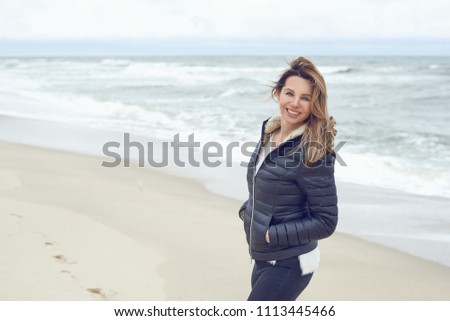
[228, 26]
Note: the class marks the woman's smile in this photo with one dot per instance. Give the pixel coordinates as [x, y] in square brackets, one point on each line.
[291, 112]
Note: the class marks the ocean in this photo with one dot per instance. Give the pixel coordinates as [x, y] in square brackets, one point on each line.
[392, 113]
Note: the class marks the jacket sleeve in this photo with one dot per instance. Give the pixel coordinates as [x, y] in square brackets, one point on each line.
[318, 184]
[242, 209]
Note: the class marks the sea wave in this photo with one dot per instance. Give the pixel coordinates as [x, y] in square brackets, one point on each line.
[181, 73]
[393, 173]
[116, 62]
[326, 70]
[234, 91]
[82, 109]
[388, 69]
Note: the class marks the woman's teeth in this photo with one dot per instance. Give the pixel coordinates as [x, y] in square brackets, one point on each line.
[292, 112]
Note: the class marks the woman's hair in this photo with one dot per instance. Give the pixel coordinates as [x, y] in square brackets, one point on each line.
[318, 137]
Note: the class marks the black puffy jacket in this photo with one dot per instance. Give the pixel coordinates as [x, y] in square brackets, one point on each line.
[296, 203]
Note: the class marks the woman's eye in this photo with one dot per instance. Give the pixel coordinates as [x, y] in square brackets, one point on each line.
[289, 94]
[305, 98]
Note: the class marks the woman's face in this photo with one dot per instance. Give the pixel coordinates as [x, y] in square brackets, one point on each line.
[295, 101]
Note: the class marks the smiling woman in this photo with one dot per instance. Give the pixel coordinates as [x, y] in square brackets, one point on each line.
[292, 194]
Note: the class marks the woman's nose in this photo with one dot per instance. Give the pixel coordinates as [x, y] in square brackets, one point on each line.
[295, 101]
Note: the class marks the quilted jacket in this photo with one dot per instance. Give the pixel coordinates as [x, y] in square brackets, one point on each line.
[295, 203]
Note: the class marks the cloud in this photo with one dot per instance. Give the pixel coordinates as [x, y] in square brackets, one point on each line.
[231, 19]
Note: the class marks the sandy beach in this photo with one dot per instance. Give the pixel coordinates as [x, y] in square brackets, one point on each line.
[71, 229]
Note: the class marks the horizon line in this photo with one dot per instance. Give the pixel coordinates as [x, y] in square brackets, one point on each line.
[226, 47]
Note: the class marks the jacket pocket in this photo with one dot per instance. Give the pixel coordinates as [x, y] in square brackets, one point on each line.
[259, 235]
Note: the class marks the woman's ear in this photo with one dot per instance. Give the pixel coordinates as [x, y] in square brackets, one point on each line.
[277, 94]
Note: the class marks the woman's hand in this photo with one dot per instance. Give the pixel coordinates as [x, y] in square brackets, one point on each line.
[267, 237]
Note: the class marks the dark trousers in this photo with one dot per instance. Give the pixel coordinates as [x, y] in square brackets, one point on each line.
[282, 281]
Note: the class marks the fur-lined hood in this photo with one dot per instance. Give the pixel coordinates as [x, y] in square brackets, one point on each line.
[274, 123]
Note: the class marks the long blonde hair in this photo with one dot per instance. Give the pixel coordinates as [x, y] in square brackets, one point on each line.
[318, 137]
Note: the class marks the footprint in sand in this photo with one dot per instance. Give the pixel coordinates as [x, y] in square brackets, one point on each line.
[105, 294]
[68, 273]
[19, 218]
[63, 259]
[16, 215]
[48, 241]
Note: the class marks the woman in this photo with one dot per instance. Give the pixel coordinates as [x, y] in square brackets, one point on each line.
[292, 194]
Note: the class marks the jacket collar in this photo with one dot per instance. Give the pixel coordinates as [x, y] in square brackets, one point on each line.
[273, 123]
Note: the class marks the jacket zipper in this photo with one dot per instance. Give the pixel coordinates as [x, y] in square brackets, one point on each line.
[258, 148]
[251, 220]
